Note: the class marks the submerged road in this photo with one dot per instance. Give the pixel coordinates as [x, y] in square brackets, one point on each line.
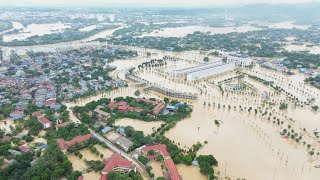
[114, 148]
[127, 156]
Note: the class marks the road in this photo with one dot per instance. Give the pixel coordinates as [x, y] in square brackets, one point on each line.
[114, 148]
[127, 156]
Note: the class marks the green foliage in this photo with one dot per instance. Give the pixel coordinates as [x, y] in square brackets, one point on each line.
[33, 125]
[74, 175]
[4, 147]
[68, 132]
[53, 164]
[95, 165]
[5, 110]
[283, 106]
[19, 169]
[137, 137]
[143, 159]
[113, 175]
[205, 163]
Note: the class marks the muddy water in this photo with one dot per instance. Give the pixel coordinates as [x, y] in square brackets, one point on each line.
[156, 168]
[183, 31]
[246, 145]
[146, 127]
[242, 143]
[190, 172]
[77, 163]
[91, 176]
[35, 29]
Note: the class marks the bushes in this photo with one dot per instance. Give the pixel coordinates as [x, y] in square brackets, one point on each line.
[205, 163]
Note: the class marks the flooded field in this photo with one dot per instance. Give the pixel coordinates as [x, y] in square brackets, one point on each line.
[156, 168]
[34, 30]
[243, 139]
[146, 127]
[282, 25]
[190, 172]
[91, 176]
[183, 31]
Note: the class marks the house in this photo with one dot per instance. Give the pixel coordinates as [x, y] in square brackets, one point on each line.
[36, 114]
[24, 149]
[5, 139]
[159, 108]
[62, 125]
[106, 129]
[42, 146]
[39, 103]
[16, 114]
[64, 145]
[102, 115]
[171, 108]
[14, 152]
[53, 105]
[116, 104]
[173, 173]
[118, 164]
[45, 122]
[172, 170]
[124, 143]
[122, 131]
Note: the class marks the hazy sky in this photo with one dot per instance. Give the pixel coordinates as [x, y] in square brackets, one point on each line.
[139, 2]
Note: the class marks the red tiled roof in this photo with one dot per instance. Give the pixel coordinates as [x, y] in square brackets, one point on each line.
[36, 113]
[24, 148]
[78, 139]
[152, 156]
[44, 120]
[115, 104]
[16, 112]
[80, 178]
[5, 139]
[159, 106]
[148, 101]
[157, 147]
[49, 103]
[62, 124]
[113, 161]
[138, 109]
[123, 108]
[104, 177]
[174, 174]
[62, 144]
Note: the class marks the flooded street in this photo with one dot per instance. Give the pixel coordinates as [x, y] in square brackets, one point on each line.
[146, 127]
[244, 139]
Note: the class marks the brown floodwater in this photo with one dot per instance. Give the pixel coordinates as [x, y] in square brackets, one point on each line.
[246, 145]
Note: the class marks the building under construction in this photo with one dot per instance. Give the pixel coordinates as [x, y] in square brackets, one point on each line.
[137, 81]
[171, 93]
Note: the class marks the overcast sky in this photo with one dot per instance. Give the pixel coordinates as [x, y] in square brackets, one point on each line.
[139, 2]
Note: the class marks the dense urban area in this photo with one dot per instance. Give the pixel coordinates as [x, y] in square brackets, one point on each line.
[160, 93]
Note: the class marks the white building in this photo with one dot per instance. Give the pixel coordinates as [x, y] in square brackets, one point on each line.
[239, 60]
[211, 71]
[186, 71]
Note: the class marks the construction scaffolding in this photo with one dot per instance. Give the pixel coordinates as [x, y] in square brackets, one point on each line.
[171, 93]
